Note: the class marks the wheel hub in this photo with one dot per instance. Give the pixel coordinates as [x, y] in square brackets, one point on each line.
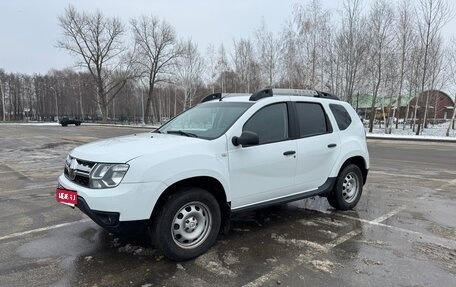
[350, 187]
[191, 225]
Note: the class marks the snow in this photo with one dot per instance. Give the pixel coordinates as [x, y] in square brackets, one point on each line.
[433, 132]
[29, 124]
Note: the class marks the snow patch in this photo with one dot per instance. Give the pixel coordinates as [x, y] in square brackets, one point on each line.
[331, 222]
[301, 243]
[324, 266]
[328, 233]
[308, 222]
[229, 258]
[434, 132]
[212, 263]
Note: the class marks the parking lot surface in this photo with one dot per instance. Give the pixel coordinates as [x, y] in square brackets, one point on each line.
[402, 232]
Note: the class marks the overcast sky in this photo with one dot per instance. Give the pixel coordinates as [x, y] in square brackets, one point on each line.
[29, 28]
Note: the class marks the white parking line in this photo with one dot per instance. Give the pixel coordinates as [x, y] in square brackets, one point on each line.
[448, 243]
[19, 234]
[30, 188]
[22, 171]
[283, 269]
[407, 175]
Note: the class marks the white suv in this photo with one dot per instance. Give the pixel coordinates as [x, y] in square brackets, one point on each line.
[230, 153]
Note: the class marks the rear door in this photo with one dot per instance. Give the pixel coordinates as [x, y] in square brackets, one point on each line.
[318, 146]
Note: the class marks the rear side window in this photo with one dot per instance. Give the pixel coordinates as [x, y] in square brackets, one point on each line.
[312, 120]
[343, 118]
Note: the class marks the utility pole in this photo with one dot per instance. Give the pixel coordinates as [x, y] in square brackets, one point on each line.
[56, 104]
[142, 107]
[3, 102]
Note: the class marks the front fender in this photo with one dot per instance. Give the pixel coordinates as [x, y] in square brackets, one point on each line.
[170, 170]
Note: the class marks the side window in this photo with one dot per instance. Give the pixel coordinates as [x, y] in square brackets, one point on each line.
[312, 120]
[343, 118]
[270, 123]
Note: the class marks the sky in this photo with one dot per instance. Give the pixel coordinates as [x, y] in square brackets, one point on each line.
[29, 29]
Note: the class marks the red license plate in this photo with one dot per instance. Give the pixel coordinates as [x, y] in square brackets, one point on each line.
[65, 196]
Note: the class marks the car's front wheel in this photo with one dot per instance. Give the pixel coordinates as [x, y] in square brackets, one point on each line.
[348, 188]
[187, 224]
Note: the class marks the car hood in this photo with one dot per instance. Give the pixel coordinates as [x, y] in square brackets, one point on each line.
[125, 148]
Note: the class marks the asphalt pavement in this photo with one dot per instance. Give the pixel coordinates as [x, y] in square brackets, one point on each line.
[402, 232]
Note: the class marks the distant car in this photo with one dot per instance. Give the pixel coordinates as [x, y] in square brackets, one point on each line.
[70, 121]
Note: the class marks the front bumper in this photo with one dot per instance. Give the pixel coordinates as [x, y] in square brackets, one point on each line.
[127, 204]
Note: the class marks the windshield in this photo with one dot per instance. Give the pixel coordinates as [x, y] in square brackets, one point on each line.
[207, 120]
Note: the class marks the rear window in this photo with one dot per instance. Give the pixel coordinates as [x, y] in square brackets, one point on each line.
[343, 118]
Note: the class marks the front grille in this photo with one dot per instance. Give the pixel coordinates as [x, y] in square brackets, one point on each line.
[81, 180]
[79, 170]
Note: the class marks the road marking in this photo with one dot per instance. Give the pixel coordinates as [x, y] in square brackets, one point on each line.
[389, 214]
[30, 188]
[22, 171]
[448, 184]
[448, 243]
[278, 271]
[18, 234]
[408, 176]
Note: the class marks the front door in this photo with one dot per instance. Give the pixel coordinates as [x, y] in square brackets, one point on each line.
[266, 171]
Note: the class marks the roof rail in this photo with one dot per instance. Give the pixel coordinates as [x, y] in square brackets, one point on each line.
[265, 93]
[327, 96]
[212, 97]
[221, 96]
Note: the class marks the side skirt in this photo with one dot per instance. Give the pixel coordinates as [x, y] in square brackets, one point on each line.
[322, 190]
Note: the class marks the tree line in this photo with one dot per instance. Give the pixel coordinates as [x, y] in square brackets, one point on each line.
[143, 71]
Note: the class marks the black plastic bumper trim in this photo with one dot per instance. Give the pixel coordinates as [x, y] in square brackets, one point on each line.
[110, 220]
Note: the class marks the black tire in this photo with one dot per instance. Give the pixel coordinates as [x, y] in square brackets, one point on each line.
[186, 214]
[348, 189]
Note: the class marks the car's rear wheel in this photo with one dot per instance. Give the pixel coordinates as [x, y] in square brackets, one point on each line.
[348, 188]
[187, 224]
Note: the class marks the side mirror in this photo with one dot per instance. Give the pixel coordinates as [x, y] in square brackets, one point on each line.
[246, 139]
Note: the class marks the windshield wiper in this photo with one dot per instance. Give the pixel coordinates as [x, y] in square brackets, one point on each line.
[181, 132]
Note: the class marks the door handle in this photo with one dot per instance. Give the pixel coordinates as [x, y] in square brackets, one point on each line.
[332, 145]
[290, 152]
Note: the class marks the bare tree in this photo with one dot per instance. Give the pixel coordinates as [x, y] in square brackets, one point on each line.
[222, 67]
[352, 45]
[156, 53]
[432, 16]
[451, 54]
[189, 71]
[404, 37]
[292, 71]
[245, 65]
[211, 67]
[97, 42]
[380, 20]
[312, 23]
[268, 48]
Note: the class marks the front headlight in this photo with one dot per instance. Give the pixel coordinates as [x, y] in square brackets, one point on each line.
[107, 175]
